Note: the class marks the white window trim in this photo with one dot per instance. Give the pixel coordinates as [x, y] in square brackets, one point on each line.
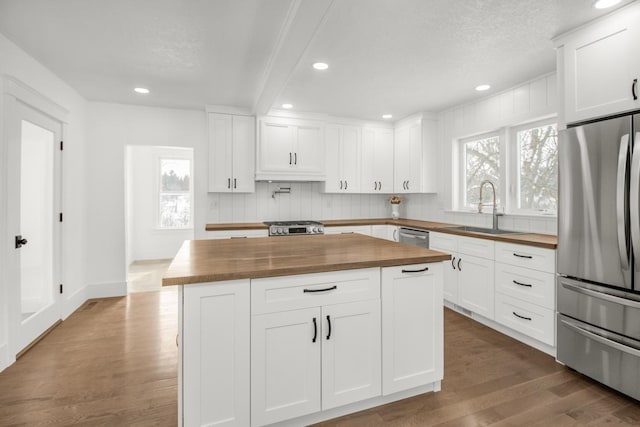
[460, 171]
[159, 192]
[513, 165]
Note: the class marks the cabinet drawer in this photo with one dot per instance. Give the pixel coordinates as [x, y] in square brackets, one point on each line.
[533, 286]
[443, 242]
[236, 234]
[362, 229]
[526, 256]
[477, 247]
[275, 294]
[526, 318]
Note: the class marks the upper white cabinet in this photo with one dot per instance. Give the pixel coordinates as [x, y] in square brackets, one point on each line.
[343, 147]
[231, 153]
[407, 157]
[377, 160]
[599, 66]
[290, 149]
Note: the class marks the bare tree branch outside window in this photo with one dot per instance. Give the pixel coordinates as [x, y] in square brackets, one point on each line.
[482, 161]
[538, 168]
[175, 193]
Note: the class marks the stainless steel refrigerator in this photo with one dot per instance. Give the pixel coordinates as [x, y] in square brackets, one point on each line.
[598, 284]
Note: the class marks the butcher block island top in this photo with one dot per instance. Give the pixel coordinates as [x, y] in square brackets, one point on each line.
[200, 261]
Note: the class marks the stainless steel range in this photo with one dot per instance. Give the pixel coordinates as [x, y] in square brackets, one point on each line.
[288, 228]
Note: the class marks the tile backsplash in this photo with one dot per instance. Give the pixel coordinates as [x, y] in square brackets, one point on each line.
[307, 201]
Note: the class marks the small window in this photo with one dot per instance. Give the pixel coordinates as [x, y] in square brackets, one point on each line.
[175, 193]
[536, 168]
[480, 158]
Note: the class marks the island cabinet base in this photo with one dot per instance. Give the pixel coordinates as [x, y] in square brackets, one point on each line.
[293, 350]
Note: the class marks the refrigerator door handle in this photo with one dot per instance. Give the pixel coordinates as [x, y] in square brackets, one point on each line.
[634, 199]
[621, 197]
[601, 295]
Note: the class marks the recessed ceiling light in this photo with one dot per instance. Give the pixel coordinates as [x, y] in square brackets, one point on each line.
[141, 90]
[482, 88]
[603, 4]
[386, 116]
[287, 106]
[320, 65]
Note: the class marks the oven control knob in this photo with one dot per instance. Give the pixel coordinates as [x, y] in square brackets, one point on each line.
[314, 230]
[279, 230]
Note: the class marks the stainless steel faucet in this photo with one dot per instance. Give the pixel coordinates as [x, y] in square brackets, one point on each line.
[495, 206]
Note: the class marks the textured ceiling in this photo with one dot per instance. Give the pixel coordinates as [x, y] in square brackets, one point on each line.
[399, 56]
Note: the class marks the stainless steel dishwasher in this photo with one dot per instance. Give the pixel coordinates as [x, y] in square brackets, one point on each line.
[414, 237]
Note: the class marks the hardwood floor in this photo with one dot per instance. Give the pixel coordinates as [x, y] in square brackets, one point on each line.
[114, 363]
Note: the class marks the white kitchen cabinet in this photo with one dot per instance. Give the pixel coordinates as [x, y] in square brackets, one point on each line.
[285, 365]
[469, 276]
[349, 229]
[231, 153]
[412, 331]
[290, 149]
[407, 159]
[386, 232]
[315, 343]
[215, 333]
[600, 66]
[343, 148]
[476, 284]
[351, 355]
[377, 160]
[236, 234]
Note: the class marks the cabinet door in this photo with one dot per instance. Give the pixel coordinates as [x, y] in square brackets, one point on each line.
[333, 159]
[350, 353]
[244, 149]
[401, 159]
[412, 337]
[601, 62]
[384, 159]
[220, 152]
[308, 155]
[276, 147]
[350, 167]
[215, 353]
[475, 285]
[369, 179]
[285, 365]
[450, 286]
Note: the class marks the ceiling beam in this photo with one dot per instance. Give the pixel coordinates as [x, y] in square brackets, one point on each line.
[303, 20]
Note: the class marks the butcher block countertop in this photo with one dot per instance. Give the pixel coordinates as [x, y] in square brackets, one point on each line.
[547, 241]
[200, 261]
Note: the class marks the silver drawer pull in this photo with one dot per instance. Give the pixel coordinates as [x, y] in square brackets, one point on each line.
[522, 284]
[601, 295]
[521, 317]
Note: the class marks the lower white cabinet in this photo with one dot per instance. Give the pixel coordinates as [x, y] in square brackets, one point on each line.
[215, 354]
[349, 229]
[285, 365]
[237, 234]
[386, 232]
[412, 330]
[475, 284]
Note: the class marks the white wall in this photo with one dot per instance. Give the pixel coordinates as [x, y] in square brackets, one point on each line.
[17, 64]
[525, 103]
[110, 128]
[147, 241]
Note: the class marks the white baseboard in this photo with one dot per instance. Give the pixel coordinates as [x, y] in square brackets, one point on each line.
[73, 302]
[106, 290]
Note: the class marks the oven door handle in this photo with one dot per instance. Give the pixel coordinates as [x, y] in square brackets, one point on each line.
[601, 295]
[602, 340]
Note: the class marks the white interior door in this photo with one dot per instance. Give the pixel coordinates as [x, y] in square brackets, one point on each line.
[33, 223]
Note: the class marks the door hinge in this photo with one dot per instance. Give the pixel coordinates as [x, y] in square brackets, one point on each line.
[60, 216]
[60, 287]
[61, 145]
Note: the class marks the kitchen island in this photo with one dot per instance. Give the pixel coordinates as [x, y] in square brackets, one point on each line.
[297, 329]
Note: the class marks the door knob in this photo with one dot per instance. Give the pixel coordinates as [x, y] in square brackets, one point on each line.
[20, 242]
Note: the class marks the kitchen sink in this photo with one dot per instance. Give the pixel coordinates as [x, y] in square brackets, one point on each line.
[480, 230]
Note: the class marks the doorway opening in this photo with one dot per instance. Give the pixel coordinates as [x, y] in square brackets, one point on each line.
[159, 206]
